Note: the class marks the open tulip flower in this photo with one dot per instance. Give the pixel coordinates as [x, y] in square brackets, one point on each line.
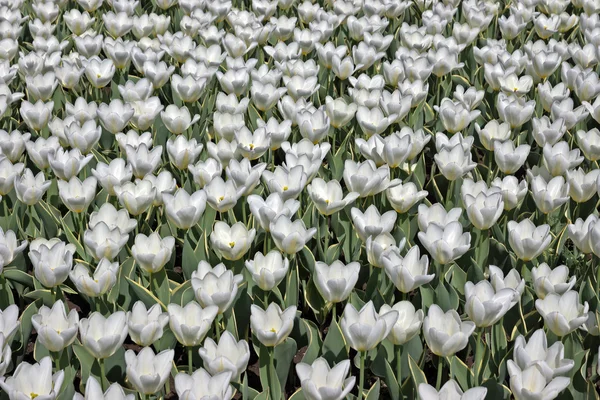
[397, 198]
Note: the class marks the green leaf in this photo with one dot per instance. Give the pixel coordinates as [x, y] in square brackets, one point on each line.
[335, 348]
[417, 375]
[144, 295]
[268, 373]
[373, 393]
[18, 276]
[160, 286]
[292, 288]
[284, 355]
[298, 395]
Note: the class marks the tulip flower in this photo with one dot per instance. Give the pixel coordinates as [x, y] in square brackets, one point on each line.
[55, 329]
[365, 329]
[527, 240]
[273, 325]
[321, 382]
[9, 247]
[408, 272]
[445, 333]
[267, 210]
[145, 326]
[103, 242]
[371, 222]
[191, 323]
[101, 336]
[546, 280]
[328, 196]
[536, 352]
[93, 391]
[486, 306]
[232, 242]
[451, 390]
[227, 356]
[201, 385]
[336, 281]
[216, 285]
[562, 313]
[445, 244]
[408, 324]
[531, 383]
[290, 237]
[152, 252]
[45, 385]
[184, 210]
[580, 233]
[52, 262]
[148, 372]
[268, 270]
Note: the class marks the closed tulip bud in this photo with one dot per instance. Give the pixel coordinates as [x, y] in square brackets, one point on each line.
[9, 323]
[227, 356]
[102, 279]
[184, 210]
[365, 329]
[267, 210]
[528, 240]
[93, 391]
[201, 385]
[148, 372]
[145, 326]
[408, 324]
[320, 382]
[231, 242]
[445, 243]
[152, 252]
[510, 158]
[52, 261]
[535, 351]
[101, 336]
[268, 270]
[408, 272]
[564, 313]
[546, 280]
[46, 386]
[191, 323]
[112, 218]
[451, 390]
[580, 233]
[273, 325]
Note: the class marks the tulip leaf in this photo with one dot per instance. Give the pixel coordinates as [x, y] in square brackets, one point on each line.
[74, 240]
[269, 379]
[298, 395]
[417, 375]
[335, 348]
[314, 300]
[373, 393]
[18, 276]
[190, 258]
[312, 338]
[119, 294]
[183, 293]
[284, 355]
[144, 294]
[246, 393]
[292, 287]
[26, 326]
[462, 374]
[159, 286]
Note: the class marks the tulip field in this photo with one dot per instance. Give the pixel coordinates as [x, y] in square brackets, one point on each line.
[299, 199]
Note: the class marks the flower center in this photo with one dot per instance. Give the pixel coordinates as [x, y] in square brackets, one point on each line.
[285, 188]
[231, 244]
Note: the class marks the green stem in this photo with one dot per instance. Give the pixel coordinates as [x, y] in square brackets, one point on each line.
[334, 313]
[56, 358]
[190, 360]
[361, 380]
[271, 369]
[103, 378]
[440, 372]
[478, 355]
[399, 365]
[218, 327]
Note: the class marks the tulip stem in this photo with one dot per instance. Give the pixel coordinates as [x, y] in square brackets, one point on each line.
[361, 380]
[103, 378]
[440, 372]
[478, 356]
[333, 313]
[218, 327]
[190, 359]
[399, 366]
